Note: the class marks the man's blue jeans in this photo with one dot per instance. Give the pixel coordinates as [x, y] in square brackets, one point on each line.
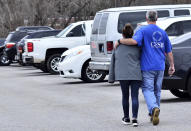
[151, 88]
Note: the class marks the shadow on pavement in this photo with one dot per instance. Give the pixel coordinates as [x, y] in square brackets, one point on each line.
[110, 85]
[174, 100]
[82, 82]
[75, 82]
[38, 74]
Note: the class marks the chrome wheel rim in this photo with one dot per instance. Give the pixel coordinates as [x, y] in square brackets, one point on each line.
[54, 64]
[4, 59]
[93, 74]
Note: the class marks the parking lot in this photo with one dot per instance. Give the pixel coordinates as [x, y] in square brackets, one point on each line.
[34, 101]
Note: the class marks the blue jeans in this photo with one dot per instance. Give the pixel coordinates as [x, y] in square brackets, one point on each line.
[134, 96]
[151, 88]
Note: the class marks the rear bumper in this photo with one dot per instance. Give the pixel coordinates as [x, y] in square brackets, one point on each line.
[99, 65]
[28, 59]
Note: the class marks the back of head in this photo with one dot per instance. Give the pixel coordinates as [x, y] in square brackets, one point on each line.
[152, 15]
[127, 31]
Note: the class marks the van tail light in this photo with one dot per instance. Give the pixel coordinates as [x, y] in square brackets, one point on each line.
[9, 45]
[109, 47]
[93, 45]
[30, 46]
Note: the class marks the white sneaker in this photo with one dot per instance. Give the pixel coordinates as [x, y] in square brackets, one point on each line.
[126, 121]
[135, 123]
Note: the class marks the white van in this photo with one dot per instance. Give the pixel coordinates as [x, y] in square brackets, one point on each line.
[108, 24]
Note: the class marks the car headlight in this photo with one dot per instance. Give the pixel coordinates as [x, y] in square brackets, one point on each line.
[72, 54]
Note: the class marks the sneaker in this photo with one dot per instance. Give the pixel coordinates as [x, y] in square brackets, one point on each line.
[135, 123]
[155, 116]
[126, 121]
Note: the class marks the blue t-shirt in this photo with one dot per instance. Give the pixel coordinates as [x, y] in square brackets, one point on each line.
[154, 43]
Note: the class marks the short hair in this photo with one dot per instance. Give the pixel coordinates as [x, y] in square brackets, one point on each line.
[152, 15]
[128, 31]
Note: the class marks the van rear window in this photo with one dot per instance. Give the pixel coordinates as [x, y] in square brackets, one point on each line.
[130, 17]
[181, 12]
[96, 24]
[103, 23]
[163, 13]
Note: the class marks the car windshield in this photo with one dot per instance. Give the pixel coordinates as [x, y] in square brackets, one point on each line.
[25, 37]
[64, 31]
[9, 36]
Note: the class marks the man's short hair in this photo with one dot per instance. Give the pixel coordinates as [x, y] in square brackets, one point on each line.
[152, 15]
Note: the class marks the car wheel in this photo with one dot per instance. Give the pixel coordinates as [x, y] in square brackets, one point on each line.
[52, 63]
[179, 93]
[4, 61]
[91, 76]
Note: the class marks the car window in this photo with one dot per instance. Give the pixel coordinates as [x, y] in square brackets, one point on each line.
[62, 33]
[175, 29]
[130, 17]
[163, 13]
[181, 12]
[103, 23]
[17, 36]
[76, 32]
[96, 23]
[9, 37]
[25, 37]
[187, 26]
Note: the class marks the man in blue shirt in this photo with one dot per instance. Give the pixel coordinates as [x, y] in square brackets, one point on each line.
[155, 45]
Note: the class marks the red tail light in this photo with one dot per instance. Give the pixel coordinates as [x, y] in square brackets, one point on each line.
[9, 45]
[30, 46]
[109, 47]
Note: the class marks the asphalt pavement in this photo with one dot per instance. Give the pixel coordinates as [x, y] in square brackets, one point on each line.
[31, 100]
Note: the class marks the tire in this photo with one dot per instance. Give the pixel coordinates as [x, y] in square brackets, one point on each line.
[179, 93]
[4, 61]
[91, 76]
[43, 68]
[52, 63]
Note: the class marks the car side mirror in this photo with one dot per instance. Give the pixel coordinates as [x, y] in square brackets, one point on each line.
[70, 34]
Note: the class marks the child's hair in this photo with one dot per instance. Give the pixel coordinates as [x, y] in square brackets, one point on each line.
[127, 31]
